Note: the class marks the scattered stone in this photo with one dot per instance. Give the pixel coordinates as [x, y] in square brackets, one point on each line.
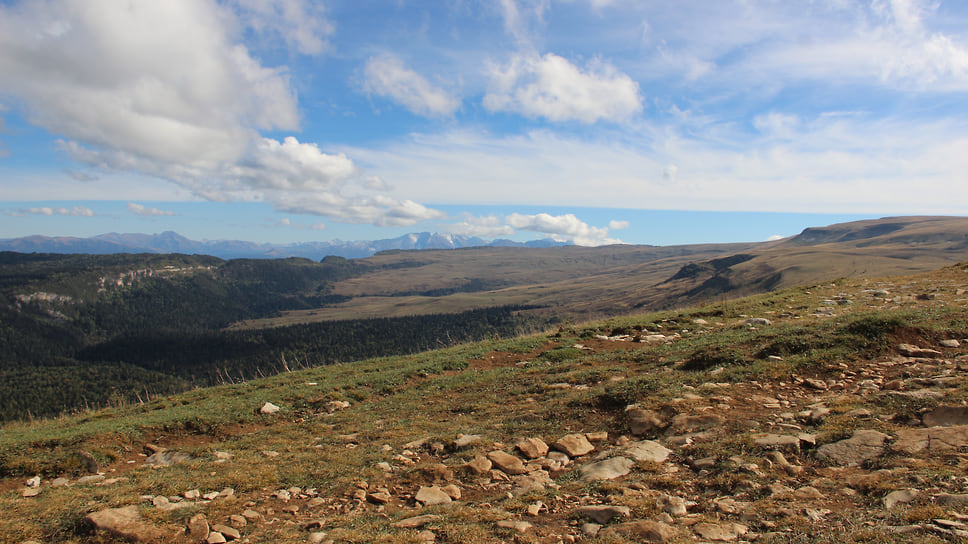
[198, 528]
[452, 491]
[532, 448]
[92, 479]
[378, 497]
[647, 450]
[684, 423]
[948, 499]
[725, 532]
[590, 530]
[416, 522]
[507, 463]
[33, 482]
[863, 445]
[125, 523]
[228, 532]
[269, 408]
[433, 495]
[479, 465]
[902, 496]
[465, 440]
[237, 521]
[946, 416]
[215, 538]
[317, 537]
[642, 531]
[758, 322]
[814, 383]
[252, 515]
[603, 513]
[167, 458]
[915, 351]
[31, 492]
[517, 526]
[88, 462]
[608, 469]
[674, 506]
[777, 442]
[644, 422]
[931, 439]
[336, 405]
[952, 343]
[574, 445]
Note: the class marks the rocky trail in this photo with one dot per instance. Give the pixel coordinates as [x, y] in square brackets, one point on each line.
[856, 449]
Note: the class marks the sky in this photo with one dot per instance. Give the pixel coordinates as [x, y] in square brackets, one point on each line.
[593, 121]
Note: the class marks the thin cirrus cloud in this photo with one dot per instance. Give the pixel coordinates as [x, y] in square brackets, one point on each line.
[387, 76]
[73, 211]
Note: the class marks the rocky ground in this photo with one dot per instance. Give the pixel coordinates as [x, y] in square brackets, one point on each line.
[845, 449]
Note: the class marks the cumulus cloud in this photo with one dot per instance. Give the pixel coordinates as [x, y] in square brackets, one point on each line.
[140, 209]
[486, 227]
[387, 76]
[552, 87]
[173, 94]
[562, 228]
[74, 211]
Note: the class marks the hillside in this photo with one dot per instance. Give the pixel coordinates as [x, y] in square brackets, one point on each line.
[84, 330]
[828, 413]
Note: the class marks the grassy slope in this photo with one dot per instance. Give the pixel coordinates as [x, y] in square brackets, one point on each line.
[500, 389]
[585, 283]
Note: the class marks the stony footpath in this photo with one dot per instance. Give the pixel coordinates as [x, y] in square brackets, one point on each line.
[871, 450]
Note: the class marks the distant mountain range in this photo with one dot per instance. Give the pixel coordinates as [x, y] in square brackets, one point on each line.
[172, 242]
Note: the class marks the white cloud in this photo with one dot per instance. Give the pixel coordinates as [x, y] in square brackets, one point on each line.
[170, 85]
[520, 16]
[618, 225]
[550, 86]
[387, 76]
[838, 163]
[74, 211]
[562, 228]
[139, 209]
[174, 95]
[485, 227]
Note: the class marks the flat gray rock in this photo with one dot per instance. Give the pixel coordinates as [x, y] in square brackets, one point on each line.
[608, 469]
[946, 416]
[931, 439]
[647, 450]
[125, 523]
[603, 513]
[863, 445]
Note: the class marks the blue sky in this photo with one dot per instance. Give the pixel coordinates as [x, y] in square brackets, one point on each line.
[596, 121]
